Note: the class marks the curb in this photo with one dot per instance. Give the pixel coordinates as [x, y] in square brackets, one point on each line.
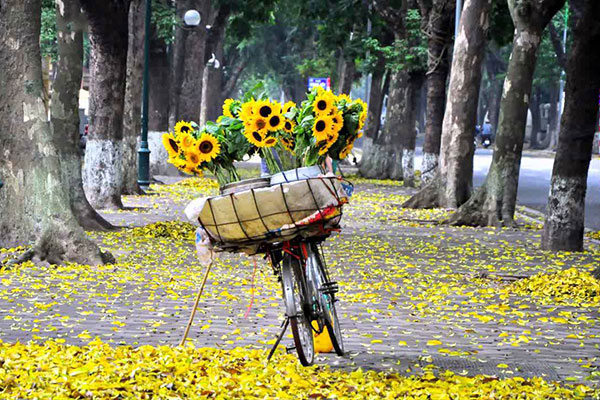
[538, 217]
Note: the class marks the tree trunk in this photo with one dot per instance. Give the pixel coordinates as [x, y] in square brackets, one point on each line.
[103, 176]
[495, 67]
[439, 32]
[34, 201]
[494, 202]
[132, 117]
[188, 57]
[346, 75]
[409, 126]
[158, 96]
[385, 158]
[65, 111]
[376, 95]
[564, 224]
[212, 76]
[452, 185]
[553, 125]
[534, 107]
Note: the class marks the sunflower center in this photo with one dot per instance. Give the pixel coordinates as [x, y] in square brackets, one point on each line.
[173, 144]
[194, 158]
[322, 105]
[260, 124]
[256, 136]
[265, 111]
[288, 125]
[185, 129]
[205, 147]
[320, 126]
[274, 121]
[270, 141]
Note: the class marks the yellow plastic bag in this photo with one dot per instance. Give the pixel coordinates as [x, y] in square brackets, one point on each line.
[322, 341]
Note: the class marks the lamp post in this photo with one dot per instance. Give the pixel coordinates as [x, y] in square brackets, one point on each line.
[144, 151]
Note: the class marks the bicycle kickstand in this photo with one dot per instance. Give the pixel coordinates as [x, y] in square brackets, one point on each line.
[284, 328]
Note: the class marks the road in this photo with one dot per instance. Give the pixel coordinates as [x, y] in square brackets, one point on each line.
[534, 183]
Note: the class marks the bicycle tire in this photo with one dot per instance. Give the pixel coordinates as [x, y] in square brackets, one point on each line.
[295, 297]
[326, 300]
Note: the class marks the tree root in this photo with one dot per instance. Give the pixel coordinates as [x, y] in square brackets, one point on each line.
[427, 197]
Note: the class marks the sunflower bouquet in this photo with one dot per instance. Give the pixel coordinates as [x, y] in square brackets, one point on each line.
[327, 125]
[213, 147]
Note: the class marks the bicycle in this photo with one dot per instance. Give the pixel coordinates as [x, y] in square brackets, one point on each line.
[309, 296]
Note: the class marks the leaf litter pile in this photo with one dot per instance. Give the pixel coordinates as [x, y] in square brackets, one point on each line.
[425, 309]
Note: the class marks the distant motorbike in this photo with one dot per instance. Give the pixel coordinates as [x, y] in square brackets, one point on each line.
[486, 142]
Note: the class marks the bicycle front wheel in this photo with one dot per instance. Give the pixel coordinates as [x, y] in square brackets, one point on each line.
[323, 289]
[296, 301]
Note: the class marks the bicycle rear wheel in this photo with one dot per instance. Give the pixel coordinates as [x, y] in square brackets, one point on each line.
[296, 299]
[324, 292]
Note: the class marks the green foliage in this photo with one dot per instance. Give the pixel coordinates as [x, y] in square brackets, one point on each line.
[408, 53]
[164, 20]
[48, 44]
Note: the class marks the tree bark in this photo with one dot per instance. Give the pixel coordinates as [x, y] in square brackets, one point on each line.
[376, 95]
[132, 116]
[534, 108]
[495, 67]
[409, 126]
[65, 111]
[158, 95]
[103, 177]
[346, 75]
[553, 123]
[385, 157]
[494, 202]
[34, 201]
[564, 224]
[452, 184]
[439, 16]
[188, 62]
[212, 76]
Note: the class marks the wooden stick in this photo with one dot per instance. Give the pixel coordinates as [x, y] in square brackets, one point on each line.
[189, 325]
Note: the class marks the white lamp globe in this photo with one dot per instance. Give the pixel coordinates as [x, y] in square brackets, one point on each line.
[191, 18]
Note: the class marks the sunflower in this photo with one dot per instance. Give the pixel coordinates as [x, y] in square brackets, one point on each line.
[288, 143]
[170, 144]
[346, 150]
[264, 108]
[183, 127]
[255, 137]
[323, 103]
[322, 126]
[178, 162]
[344, 97]
[186, 141]
[208, 147]
[323, 147]
[227, 108]
[259, 124]
[269, 141]
[275, 122]
[360, 134]
[193, 159]
[247, 111]
[288, 106]
[288, 126]
[337, 121]
[332, 137]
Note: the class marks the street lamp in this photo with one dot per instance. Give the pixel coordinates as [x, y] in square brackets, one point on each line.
[144, 151]
[192, 18]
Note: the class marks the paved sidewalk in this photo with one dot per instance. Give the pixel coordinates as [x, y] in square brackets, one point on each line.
[413, 293]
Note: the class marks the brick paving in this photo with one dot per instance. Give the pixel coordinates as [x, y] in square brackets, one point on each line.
[412, 294]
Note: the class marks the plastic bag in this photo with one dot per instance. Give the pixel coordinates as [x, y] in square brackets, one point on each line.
[204, 248]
